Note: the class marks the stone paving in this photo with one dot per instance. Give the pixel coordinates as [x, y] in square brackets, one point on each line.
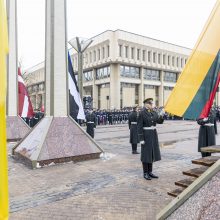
[108, 188]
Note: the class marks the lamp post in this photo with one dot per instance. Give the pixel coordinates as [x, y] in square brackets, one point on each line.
[80, 46]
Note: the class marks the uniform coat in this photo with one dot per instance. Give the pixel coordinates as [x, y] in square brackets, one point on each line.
[91, 124]
[150, 151]
[133, 117]
[206, 133]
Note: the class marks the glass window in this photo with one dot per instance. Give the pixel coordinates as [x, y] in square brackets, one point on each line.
[170, 77]
[88, 76]
[164, 59]
[181, 62]
[168, 60]
[154, 57]
[138, 54]
[120, 50]
[126, 51]
[143, 55]
[159, 57]
[90, 57]
[103, 52]
[149, 56]
[132, 53]
[129, 71]
[173, 61]
[103, 72]
[99, 54]
[150, 74]
[177, 61]
[94, 57]
[108, 51]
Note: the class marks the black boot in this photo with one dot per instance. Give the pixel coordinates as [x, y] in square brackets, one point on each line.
[147, 176]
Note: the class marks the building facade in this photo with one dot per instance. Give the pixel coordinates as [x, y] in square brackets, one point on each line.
[121, 69]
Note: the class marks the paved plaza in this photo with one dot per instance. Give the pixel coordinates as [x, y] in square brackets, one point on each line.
[112, 187]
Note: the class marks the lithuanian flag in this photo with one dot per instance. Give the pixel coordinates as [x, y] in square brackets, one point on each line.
[193, 95]
[3, 150]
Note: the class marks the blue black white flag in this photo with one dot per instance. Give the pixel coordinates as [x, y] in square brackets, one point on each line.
[76, 107]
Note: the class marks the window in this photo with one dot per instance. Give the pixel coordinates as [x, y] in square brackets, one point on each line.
[168, 60]
[149, 56]
[103, 72]
[177, 61]
[168, 88]
[108, 51]
[103, 52]
[99, 54]
[94, 57]
[90, 57]
[143, 55]
[164, 59]
[88, 76]
[132, 53]
[150, 74]
[181, 62]
[170, 77]
[185, 61]
[154, 57]
[138, 54]
[130, 72]
[120, 50]
[173, 61]
[126, 51]
[159, 57]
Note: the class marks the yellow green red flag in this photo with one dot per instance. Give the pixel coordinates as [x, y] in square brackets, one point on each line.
[193, 95]
[3, 149]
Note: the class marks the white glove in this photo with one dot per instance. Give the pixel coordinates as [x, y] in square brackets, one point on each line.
[162, 112]
[142, 142]
[205, 119]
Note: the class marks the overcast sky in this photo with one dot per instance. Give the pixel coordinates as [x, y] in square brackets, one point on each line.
[175, 21]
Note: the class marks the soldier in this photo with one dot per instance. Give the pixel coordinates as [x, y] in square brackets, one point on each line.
[132, 123]
[206, 133]
[150, 151]
[90, 123]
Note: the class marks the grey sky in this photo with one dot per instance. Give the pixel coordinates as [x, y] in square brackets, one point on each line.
[175, 21]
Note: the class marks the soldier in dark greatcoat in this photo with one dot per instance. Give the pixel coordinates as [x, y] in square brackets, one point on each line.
[132, 123]
[90, 123]
[206, 133]
[150, 151]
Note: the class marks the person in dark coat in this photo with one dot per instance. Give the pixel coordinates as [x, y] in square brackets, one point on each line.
[150, 151]
[132, 123]
[90, 123]
[206, 133]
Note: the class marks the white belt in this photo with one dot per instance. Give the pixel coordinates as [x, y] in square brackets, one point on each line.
[209, 124]
[133, 123]
[149, 128]
[90, 122]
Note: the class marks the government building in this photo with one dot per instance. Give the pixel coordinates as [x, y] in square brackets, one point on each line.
[121, 69]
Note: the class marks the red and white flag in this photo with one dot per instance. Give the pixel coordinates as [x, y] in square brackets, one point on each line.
[25, 106]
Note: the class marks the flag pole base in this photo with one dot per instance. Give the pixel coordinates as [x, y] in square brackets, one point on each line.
[17, 128]
[56, 140]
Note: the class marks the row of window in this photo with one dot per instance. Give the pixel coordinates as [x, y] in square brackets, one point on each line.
[131, 72]
[151, 56]
[36, 88]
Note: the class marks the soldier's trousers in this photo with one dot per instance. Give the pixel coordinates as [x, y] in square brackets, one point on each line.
[134, 147]
[147, 167]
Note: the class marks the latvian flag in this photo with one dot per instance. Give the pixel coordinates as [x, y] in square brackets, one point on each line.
[25, 106]
[195, 90]
[76, 107]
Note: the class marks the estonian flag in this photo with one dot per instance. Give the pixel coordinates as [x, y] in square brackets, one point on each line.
[76, 107]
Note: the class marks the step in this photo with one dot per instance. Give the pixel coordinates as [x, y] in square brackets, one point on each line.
[175, 192]
[206, 161]
[211, 149]
[184, 183]
[196, 172]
